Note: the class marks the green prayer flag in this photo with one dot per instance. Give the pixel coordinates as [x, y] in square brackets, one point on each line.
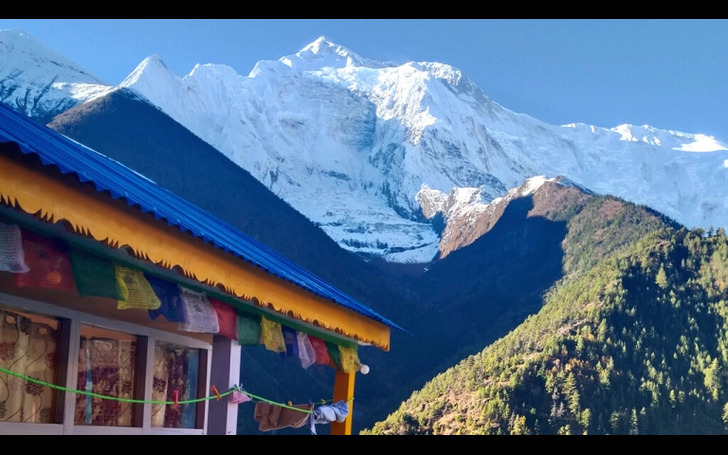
[334, 354]
[95, 276]
[248, 329]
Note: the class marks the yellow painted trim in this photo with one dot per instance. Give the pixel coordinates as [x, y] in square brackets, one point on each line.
[53, 197]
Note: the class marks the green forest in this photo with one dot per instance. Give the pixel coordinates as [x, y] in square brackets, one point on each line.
[631, 341]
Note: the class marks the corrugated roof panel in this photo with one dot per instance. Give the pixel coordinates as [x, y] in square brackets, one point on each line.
[136, 190]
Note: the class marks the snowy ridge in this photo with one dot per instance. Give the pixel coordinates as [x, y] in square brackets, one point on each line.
[350, 143]
[373, 151]
[40, 82]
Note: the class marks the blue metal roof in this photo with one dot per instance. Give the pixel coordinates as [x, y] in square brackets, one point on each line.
[121, 182]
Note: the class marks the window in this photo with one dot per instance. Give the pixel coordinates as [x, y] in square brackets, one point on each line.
[92, 375]
[176, 377]
[28, 348]
[106, 367]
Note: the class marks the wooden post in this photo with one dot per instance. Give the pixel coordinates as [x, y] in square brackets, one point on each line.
[344, 390]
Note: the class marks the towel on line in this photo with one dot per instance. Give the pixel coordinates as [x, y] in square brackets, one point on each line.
[273, 417]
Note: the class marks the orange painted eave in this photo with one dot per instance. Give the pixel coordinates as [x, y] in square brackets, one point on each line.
[52, 197]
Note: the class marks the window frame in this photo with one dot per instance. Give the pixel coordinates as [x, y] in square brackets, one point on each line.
[69, 343]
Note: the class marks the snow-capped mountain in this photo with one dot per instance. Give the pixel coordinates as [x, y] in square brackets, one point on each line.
[388, 159]
[40, 82]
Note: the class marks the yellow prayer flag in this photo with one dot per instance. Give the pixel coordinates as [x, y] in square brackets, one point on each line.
[272, 334]
[349, 359]
[140, 293]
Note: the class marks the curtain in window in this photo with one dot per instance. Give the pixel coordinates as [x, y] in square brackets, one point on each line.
[105, 367]
[27, 348]
[176, 368]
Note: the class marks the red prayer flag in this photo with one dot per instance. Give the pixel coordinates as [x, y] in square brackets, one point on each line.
[227, 318]
[320, 349]
[49, 263]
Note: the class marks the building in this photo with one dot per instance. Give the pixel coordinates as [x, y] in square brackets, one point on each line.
[124, 308]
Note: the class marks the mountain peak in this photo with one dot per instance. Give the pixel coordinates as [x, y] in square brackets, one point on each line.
[39, 81]
[19, 50]
[320, 44]
[152, 64]
[151, 75]
[322, 47]
[323, 53]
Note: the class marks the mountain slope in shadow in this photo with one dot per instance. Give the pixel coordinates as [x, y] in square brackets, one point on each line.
[478, 293]
[126, 128]
[459, 305]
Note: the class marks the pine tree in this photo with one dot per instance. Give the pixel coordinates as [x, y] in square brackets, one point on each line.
[661, 278]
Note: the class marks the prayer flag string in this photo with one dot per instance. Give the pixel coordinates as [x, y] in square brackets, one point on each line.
[216, 395]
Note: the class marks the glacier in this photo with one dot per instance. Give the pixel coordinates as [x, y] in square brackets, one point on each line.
[372, 151]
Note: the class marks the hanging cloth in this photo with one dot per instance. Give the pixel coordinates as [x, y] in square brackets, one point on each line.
[238, 396]
[170, 299]
[199, 315]
[349, 359]
[273, 417]
[95, 276]
[334, 355]
[139, 292]
[306, 354]
[48, 261]
[272, 335]
[226, 318]
[248, 329]
[291, 342]
[328, 413]
[320, 350]
[12, 258]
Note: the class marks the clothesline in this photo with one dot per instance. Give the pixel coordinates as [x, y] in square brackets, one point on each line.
[215, 395]
[40, 262]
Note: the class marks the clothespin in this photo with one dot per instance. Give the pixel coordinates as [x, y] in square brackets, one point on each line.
[217, 394]
[176, 398]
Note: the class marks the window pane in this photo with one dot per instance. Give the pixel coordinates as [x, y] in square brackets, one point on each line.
[176, 369]
[28, 347]
[106, 369]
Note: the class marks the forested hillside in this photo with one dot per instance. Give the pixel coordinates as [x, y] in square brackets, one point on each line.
[539, 249]
[631, 341]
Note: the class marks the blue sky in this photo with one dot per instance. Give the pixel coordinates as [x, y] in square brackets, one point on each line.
[667, 73]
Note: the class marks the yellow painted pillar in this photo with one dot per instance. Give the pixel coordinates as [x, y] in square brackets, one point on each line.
[344, 390]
